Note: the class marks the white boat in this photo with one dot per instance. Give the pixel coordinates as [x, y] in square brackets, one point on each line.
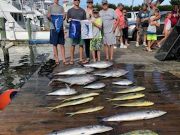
[15, 18]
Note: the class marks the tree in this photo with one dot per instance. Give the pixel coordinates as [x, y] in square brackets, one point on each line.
[175, 2]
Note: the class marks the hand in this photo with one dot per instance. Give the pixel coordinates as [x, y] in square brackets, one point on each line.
[70, 19]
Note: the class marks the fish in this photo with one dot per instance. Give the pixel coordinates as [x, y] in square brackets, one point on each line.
[81, 96]
[76, 71]
[112, 73]
[77, 80]
[124, 82]
[131, 90]
[135, 103]
[95, 86]
[140, 132]
[99, 65]
[63, 92]
[127, 97]
[137, 115]
[89, 110]
[72, 103]
[86, 130]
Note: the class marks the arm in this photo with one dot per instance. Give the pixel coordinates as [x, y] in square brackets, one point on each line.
[97, 25]
[68, 17]
[49, 13]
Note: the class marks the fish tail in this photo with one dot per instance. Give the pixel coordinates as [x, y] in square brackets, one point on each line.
[51, 108]
[109, 99]
[116, 105]
[51, 82]
[70, 114]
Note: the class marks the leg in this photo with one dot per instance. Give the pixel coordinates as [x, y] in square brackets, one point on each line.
[72, 54]
[87, 48]
[111, 48]
[55, 50]
[94, 56]
[138, 39]
[62, 49]
[145, 36]
[99, 55]
[81, 52]
[106, 52]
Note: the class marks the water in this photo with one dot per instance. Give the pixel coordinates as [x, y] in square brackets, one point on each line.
[24, 61]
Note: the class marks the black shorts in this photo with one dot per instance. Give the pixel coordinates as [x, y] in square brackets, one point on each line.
[57, 38]
[125, 33]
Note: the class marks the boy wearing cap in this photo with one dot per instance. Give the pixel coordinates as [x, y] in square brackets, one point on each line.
[109, 39]
[96, 42]
[151, 31]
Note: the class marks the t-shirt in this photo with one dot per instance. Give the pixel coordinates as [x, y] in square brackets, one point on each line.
[152, 28]
[78, 14]
[144, 15]
[167, 24]
[108, 17]
[120, 15]
[96, 30]
[55, 9]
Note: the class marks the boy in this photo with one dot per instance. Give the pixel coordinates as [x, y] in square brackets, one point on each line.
[96, 42]
[151, 31]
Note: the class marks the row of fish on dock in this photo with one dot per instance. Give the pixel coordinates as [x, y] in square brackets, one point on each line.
[83, 76]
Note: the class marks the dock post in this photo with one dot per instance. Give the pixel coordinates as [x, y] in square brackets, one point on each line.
[2, 29]
[3, 40]
[29, 28]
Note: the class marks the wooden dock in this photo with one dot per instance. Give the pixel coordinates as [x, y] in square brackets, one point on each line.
[28, 115]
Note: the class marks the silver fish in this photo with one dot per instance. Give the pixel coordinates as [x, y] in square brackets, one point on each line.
[100, 65]
[86, 130]
[76, 71]
[124, 82]
[63, 92]
[112, 73]
[95, 86]
[138, 115]
[77, 80]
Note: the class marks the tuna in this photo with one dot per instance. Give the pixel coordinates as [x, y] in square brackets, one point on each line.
[124, 82]
[87, 130]
[99, 65]
[76, 71]
[112, 73]
[133, 116]
[63, 92]
[95, 86]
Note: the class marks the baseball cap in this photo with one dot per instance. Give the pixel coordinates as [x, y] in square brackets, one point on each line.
[95, 10]
[120, 4]
[89, 1]
[104, 2]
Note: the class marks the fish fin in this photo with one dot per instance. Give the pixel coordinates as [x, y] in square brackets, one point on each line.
[70, 114]
[50, 82]
[109, 99]
[116, 105]
[51, 108]
[67, 86]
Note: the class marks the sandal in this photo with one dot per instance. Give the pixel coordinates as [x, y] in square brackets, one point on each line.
[83, 62]
[71, 62]
[65, 63]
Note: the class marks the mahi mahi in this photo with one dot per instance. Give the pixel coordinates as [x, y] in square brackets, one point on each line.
[100, 65]
[112, 73]
[72, 103]
[131, 90]
[89, 110]
[76, 71]
[95, 86]
[63, 92]
[87, 130]
[140, 132]
[81, 96]
[133, 116]
[127, 97]
[77, 80]
[135, 103]
[124, 82]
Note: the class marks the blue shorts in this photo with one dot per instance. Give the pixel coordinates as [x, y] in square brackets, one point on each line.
[57, 38]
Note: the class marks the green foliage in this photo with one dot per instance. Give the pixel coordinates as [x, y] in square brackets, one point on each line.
[175, 2]
[137, 8]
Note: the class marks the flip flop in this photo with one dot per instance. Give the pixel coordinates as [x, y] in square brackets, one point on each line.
[65, 63]
[71, 62]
